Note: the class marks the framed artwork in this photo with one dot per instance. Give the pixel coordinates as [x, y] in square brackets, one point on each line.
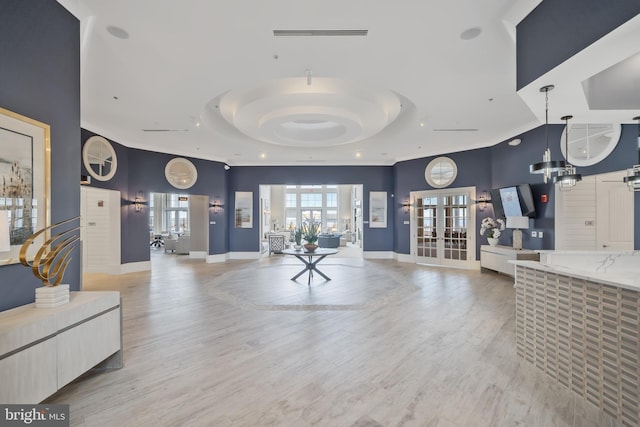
[244, 209]
[24, 179]
[378, 209]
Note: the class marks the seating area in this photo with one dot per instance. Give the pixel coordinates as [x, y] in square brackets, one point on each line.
[172, 243]
[329, 240]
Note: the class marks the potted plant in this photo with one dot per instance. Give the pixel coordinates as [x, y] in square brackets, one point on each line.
[310, 232]
[297, 237]
[493, 229]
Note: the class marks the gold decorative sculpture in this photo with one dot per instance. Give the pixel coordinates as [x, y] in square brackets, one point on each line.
[53, 257]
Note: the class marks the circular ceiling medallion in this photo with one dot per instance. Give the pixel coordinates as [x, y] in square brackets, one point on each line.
[291, 112]
[181, 173]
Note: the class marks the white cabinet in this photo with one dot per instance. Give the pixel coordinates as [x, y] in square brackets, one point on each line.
[497, 258]
[43, 349]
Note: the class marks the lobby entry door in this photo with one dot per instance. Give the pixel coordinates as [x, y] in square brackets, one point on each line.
[443, 227]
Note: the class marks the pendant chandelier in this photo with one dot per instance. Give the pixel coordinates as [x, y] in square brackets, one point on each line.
[567, 177]
[547, 166]
[633, 174]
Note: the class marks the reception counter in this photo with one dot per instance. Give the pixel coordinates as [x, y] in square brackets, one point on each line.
[578, 320]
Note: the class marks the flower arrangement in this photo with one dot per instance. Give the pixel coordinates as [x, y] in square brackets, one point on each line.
[492, 227]
[297, 236]
[310, 232]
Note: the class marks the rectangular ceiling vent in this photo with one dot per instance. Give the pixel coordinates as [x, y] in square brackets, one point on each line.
[455, 130]
[319, 33]
[165, 130]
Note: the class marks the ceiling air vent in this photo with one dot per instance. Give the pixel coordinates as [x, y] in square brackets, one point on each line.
[165, 130]
[455, 130]
[319, 33]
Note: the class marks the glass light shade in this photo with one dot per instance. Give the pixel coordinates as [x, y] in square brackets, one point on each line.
[633, 178]
[567, 178]
[547, 166]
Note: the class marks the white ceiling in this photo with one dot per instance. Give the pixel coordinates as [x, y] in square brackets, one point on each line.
[214, 73]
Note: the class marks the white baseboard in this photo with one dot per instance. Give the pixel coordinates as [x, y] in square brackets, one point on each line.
[378, 255]
[212, 259]
[198, 255]
[405, 258]
[133, 267]
[244, 255]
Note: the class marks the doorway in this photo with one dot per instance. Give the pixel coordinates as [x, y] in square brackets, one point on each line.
[597, 215]
[100, 230]
[336, 208]
[179, 224]
[443, 227]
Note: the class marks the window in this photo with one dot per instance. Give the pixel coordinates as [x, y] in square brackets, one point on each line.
[311, 200]
[291, 200]
[169, 213]
[332, 200]
[317, 203]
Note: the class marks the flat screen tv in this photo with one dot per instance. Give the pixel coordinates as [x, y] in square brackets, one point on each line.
[515, 200]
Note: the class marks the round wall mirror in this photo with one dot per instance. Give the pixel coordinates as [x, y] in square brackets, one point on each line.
[589, 143]
[181, 173]
[441, 172]
[99, 158]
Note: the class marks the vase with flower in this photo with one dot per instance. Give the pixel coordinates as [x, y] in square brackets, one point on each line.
[297, 237]
[310, 232]
[492, 228]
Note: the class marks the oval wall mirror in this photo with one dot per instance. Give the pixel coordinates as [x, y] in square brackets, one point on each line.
[441, 172]
[99, 158]
[181, 173]
[589, 143]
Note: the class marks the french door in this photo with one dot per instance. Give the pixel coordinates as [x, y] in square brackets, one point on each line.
[443, 227]
[312, 215]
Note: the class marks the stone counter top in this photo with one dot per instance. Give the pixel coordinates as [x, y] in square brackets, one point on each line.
[619, 278]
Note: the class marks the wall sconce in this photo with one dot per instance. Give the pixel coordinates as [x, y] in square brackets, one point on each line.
[482, 201]
[85, 180]
[138, 203]
[406, 205]
[216, 205]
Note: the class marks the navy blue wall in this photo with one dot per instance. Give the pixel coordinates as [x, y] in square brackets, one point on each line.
[474, 169]
[40, 75]
[556, 30]
[510, 165]
[373, 178]
[142, 172]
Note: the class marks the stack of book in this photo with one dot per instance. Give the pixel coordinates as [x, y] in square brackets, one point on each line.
[52, 296]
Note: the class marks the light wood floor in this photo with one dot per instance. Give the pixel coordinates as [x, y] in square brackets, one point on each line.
[382, 344]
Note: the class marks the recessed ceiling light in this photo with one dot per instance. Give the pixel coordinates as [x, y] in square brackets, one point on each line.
[262, 156]
[117, 32]
[514, 142]
[471, 33]
[358, 154]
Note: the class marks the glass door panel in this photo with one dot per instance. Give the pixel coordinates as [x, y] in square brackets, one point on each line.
[312, 215]
[440, 223]
[427, 230]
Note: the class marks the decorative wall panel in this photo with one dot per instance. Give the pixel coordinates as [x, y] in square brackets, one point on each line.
[583, 334]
